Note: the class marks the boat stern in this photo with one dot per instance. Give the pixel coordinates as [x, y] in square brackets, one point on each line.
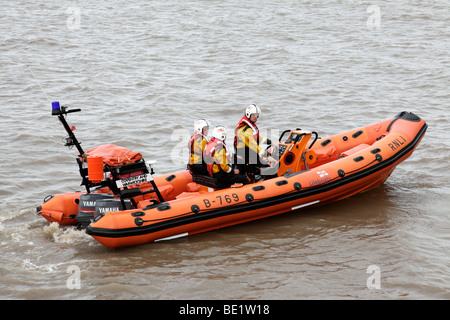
[61, 208]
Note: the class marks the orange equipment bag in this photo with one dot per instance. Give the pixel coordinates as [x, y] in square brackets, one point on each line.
[114, 155]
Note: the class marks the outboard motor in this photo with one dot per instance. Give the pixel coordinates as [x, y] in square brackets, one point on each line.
[87, 206]
[110, 205]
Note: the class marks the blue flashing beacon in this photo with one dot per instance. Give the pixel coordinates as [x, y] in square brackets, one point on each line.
[55, 108]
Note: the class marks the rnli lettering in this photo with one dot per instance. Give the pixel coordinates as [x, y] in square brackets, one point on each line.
[397, 143]
[221, 200]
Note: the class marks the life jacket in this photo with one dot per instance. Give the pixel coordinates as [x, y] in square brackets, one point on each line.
[214, 146]
[246, 122]
[196, 148]
[240, 147]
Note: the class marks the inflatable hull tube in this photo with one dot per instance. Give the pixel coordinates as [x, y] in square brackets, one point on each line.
[346, 164]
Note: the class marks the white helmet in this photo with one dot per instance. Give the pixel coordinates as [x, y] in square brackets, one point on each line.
[220, 132]
[252, 108]
[200, 124]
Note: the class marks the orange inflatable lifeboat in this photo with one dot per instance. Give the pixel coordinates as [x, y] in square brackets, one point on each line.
[311, 171]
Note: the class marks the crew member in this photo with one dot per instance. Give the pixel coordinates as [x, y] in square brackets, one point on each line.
[249, 155]
[197, 145]
[217, 160]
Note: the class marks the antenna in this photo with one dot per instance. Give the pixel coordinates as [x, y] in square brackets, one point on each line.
[38, 82]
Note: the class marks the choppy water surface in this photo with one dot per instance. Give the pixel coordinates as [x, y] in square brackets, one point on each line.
[142, 71]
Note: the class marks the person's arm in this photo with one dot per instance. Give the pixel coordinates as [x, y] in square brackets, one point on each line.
[220, 158]
[264, 140]
[250, 141]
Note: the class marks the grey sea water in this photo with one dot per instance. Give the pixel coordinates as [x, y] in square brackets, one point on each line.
[143, 71]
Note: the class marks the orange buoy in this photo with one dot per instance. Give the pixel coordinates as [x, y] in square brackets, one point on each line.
[95, 168]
